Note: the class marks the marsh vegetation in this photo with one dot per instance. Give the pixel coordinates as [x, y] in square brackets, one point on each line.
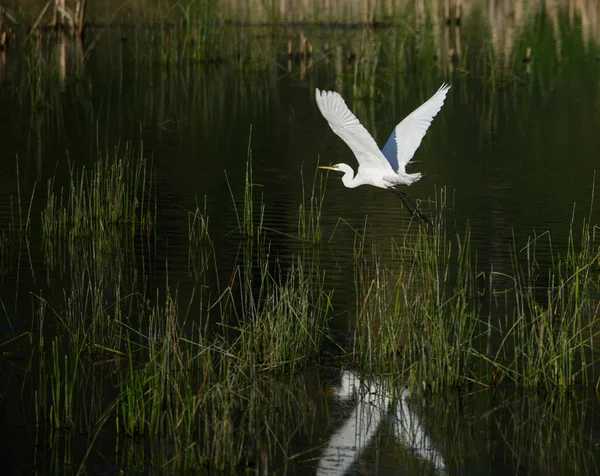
[182, 290]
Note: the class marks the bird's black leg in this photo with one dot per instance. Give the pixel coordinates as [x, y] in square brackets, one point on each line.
[404, 201]
[410, 205]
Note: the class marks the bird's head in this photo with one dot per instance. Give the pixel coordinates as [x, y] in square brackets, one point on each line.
[346, 170]
[335, 167]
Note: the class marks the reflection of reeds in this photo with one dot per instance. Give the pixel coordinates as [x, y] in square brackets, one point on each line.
[365, 67]
[68, 18]
[533, 430]
[194, 31]
[15, 235]
[196, 34]
[546, 434]
[6, 32]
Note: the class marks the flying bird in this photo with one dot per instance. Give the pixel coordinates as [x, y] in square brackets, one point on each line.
[385, 168]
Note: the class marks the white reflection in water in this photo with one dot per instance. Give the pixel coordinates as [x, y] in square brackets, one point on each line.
[374, 405]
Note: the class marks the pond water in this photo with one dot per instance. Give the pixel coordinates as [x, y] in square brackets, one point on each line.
[514, 150]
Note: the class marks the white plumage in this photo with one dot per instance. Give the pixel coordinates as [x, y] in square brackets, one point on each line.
[381, 168]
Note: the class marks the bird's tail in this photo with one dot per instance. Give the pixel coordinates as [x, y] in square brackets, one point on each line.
[412, 178]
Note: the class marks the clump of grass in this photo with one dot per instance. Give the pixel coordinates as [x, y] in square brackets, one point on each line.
[548, 344]
[114, 192]
[419, 314]
[447, 306]
[198, 393]
[182, 385]
[171, 375]
[284, 324]
[281, 314]
[148, 399]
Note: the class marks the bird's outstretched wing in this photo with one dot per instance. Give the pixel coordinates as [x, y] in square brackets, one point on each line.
[348, 127]
[407, 136]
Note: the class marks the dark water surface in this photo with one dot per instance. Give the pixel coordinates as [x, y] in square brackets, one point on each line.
[516, 147]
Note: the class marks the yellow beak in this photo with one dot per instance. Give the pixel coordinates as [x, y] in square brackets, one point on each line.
[327, 167]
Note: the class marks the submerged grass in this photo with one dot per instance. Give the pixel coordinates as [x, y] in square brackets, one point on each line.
[534, 430]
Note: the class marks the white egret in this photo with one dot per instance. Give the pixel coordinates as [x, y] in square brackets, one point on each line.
[383, 168]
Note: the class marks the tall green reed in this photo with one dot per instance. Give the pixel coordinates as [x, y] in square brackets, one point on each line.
[199, 242]
[311, 209]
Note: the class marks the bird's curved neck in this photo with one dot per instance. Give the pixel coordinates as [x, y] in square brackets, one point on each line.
[348, 179]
